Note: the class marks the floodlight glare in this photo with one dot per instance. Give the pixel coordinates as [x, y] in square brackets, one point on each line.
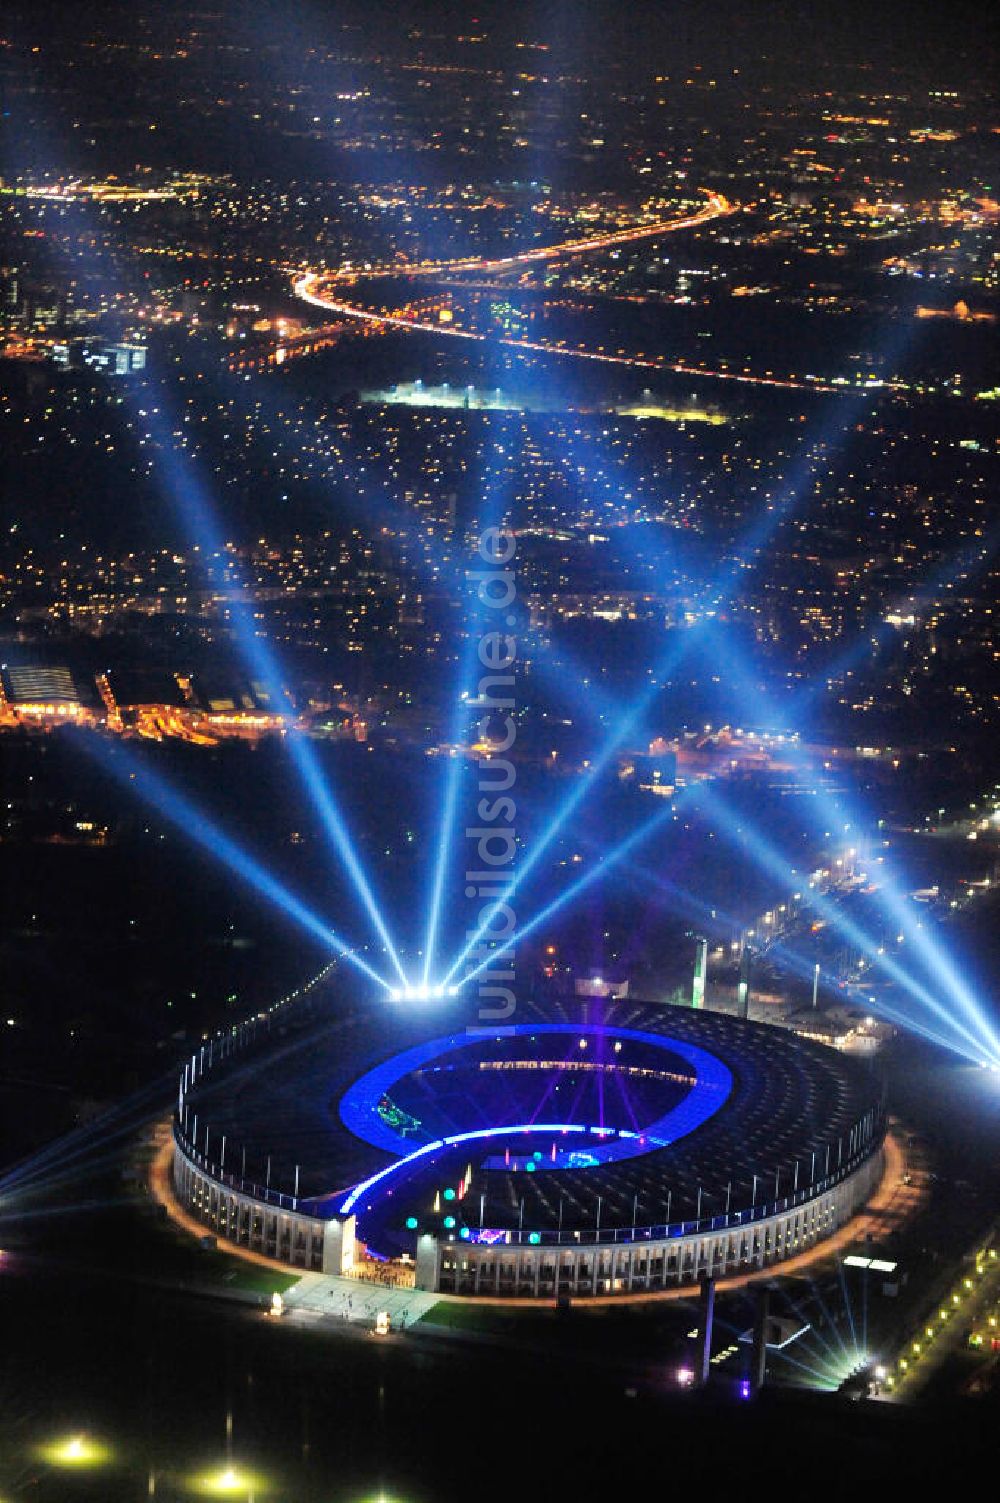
[420, 991]
[75, 1451]
[228, 1482]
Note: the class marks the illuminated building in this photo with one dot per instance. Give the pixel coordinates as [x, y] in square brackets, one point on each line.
[725, 1147]
[35, 693]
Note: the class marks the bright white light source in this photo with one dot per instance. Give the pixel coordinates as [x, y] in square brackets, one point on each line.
[422, 992]
[875, 1265]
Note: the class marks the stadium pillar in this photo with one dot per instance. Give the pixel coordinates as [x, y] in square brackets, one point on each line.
[338, 1245]
[758, 1362]
[700, 970]
[743, 987]
[705, 1321]
[427, 1271]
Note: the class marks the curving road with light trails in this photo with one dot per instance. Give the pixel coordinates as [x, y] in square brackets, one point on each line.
[311, 287]
[716, 206]
[306, 288]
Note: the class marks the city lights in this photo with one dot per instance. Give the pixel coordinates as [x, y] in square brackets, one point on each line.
[500, 824]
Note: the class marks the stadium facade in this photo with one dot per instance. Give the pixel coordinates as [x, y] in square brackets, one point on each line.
[595, 1148]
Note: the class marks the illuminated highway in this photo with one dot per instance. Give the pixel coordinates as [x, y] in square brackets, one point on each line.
[309, 289]
[313, 288]
[716, 206]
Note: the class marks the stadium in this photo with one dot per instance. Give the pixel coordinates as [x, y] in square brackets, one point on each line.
[591, 1148]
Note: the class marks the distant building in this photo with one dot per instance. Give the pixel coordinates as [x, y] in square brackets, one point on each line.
[143, 688]
[655, 773]
[600, 986]
[232, 705]
[32, 692]
[124, 359]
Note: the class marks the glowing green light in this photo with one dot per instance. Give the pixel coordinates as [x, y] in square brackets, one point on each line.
[449, 1222]
[411, 1223]
[534, 1238]
[449, 1194]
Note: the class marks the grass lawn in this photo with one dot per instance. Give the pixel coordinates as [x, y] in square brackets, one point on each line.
[490, 1320]
[236, 1275]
